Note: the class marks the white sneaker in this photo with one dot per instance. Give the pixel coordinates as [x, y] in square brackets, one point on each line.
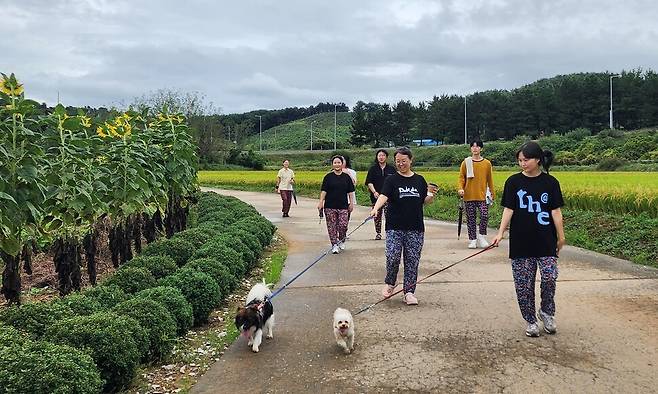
[482, 241]
[532, 330]
[549, 322]
[473, 244]
[335, 249]
[341, 245]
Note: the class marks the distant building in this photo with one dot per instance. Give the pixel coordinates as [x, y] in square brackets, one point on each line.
[427, 142]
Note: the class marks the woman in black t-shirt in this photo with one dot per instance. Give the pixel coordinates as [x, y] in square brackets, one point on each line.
[379, 171]
[337, 201]
[405, 193]
[532, 201]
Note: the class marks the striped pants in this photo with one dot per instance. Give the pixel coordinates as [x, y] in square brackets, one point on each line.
[411, 243]
[524, 271]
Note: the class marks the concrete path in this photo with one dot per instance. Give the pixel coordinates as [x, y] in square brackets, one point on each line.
[467, 334]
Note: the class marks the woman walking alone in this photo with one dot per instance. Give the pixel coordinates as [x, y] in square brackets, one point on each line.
[475, 179]
[532, 201]
[337, 201]
[405, 192]
[285, 179]
[377, 173]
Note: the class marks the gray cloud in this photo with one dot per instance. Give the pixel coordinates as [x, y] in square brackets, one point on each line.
[273, 54]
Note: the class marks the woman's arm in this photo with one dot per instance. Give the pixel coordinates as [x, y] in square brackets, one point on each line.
[504, 223]
[323, 195]
[381, 200]
[559, 227]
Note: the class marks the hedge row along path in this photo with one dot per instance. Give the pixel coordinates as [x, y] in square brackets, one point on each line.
[467, 333]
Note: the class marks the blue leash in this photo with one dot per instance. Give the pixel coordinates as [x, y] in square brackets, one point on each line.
[326, 252]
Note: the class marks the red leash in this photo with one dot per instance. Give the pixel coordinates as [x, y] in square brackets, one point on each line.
[427, 277]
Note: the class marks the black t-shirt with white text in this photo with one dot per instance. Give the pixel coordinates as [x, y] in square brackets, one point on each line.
[337, 188]
[406, 196]
[532, 231]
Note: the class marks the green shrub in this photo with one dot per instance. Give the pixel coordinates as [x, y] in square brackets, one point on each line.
[34, 318]
[239, 245]
[11, 336]
[107, 295]
[131, 279]
[80, 304]
[200, 290]
[178, 249]
[156, 320]
[116, 343]
[610, 164]
[223, 217]
[218, 271]
[246, 237]
[257, 228]
[224, 254]
[158, 266]
[44, 367]
[196, 236]
[174, 301]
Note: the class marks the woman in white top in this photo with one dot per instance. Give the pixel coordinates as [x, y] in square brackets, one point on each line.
[347, 167]
[285, 178]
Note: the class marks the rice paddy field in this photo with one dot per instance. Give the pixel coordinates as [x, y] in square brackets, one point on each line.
[615, 213]
[611, 192]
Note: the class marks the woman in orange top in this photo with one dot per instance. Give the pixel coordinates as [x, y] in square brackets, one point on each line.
[475, 183]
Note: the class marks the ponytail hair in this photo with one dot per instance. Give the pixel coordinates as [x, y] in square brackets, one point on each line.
[532, 150]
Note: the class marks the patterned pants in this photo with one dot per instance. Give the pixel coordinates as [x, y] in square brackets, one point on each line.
[378, 219]
[336, 224]
[471, 209]
[524, 270]
[411, 242]
[286, 197]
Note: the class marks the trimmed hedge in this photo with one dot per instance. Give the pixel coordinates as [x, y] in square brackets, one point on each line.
[116, 343]
[158, 266]
[156, 320]
[196, 236]
[34, 318]
[239, 245]
[80, 304]
[174, 301]
[200, 290]
[107, 295]
[223, 253]
[216, 270]
[178, 249]
[10, 336]
[44, 367]
[246, 237]
[131, 279]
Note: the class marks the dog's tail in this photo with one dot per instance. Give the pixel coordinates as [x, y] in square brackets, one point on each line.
[268, 285]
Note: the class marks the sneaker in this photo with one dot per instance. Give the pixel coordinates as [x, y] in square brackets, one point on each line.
[341, 245]
[549, 322]
[410, 299]
[378, 236]
[532, 330]
[482, 241]
[473, 244]
[335, 249]
[388, 290]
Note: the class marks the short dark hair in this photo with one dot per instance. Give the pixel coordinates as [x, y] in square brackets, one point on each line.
[476, 141]
[334, 157]
[403, 151]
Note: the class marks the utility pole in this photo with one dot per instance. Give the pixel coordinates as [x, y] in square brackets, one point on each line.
[334, 126]
[260, 130]
[312, 134]
[465, 127]
[611, 118]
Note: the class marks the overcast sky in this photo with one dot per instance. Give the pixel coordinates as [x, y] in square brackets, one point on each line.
[246, 55]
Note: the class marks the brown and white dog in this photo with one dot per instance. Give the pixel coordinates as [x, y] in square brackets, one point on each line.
[344, 329]
[256, 316]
